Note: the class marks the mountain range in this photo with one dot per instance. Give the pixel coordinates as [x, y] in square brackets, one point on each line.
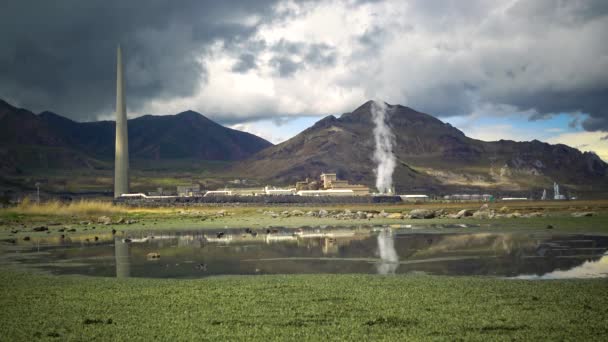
[432, 156]
[48, 140]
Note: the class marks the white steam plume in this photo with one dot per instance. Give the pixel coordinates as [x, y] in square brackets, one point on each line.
[383, 155]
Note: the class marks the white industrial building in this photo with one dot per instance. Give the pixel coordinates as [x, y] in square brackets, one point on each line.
[342, 192]
[468, 197]
[414, 198]
[218, 193]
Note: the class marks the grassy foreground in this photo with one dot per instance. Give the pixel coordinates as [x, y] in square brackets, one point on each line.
[318, 307]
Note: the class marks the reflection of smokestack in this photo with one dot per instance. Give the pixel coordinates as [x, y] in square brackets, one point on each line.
[383, 155]
[388, 254]
[121, 163]
[122, 259]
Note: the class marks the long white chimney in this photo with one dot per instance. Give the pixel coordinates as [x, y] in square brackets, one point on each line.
[121, 163]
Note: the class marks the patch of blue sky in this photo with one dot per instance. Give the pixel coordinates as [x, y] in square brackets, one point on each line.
[517, 128]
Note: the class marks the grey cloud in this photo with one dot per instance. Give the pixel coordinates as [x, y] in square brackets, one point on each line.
[574, 123]
[245, 63]
[282, 120]
[321, 55]
[442, 14]
[228, 119]
[292, 56]
[596, 123]
[372, 38]
[565, 68]
[447, 99]
[544, 56]
[285, 66]
[604, 138]
[60, 55]
[288, 47]
[571, 12]
[547, 102]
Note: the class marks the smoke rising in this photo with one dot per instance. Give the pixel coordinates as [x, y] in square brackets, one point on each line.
[383, 155]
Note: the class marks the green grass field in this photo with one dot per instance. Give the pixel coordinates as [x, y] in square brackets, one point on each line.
[311, 307]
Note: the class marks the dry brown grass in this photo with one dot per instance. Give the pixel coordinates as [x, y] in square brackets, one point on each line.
[97, 207]
[80, 208]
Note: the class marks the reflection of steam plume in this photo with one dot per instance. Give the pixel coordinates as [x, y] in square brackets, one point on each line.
[121, 255]
[388, 254]
[383, 155]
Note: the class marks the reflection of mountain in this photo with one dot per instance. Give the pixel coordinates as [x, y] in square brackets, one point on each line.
[476, 243]
[335, 251]
[499, 254]
[589, 269]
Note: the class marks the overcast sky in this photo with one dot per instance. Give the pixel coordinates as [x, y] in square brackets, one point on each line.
[513, 69]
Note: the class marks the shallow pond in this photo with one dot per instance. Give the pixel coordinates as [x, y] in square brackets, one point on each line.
[194, 254]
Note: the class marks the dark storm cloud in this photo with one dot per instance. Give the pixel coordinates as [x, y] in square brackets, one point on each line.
[542, 56]
[576, 81]
[596, 123]
[60, 55]
[547, 102]
[539, 56]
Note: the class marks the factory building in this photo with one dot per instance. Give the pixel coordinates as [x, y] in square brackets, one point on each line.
[327, 180]
[218, 193]
[469, 197]
[275, 191]
[189, 190]
[248, 191]
[330, 185]
[415, 198]
[267, 191]
[330, 192]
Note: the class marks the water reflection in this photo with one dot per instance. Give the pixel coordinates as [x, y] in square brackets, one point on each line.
[122, 258]
[389, 260]
[193, 254]
[589, 269]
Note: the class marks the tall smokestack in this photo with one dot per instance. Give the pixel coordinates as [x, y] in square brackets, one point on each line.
[121, 163]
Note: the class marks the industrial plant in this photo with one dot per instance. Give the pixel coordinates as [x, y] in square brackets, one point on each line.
[326, 186]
